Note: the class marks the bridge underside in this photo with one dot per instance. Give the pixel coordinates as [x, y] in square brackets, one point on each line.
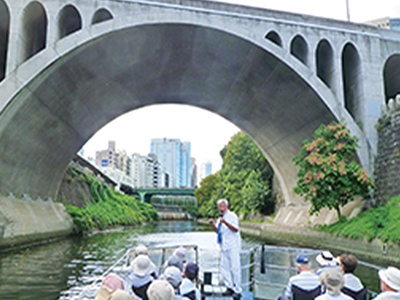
[58, 111]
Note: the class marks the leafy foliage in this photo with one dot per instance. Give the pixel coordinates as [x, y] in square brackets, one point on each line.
[328, 175]
[244, 179]
[109, 208]
[381, 222]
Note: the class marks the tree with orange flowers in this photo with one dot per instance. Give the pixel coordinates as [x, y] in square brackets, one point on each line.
[328, 174]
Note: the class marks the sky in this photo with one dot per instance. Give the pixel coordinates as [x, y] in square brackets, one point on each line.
[208, 132]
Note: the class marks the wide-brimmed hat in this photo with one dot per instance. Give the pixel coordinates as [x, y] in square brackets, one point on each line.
[105, 293]
[142, 265]
[333, 280]
[180, 252]
[113, 281]
[325, 258]
[173, 275]
[141, 249]
[160, 290]
[120, 295]
[391, 276]
[175, 261]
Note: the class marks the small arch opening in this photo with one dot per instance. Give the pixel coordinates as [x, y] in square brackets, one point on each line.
[274, 37]
[34, 30]
[391, 76]
[299, 49]
[4, 33]
[69, 21]
[352, 78]
[324, 60]
[101, 15]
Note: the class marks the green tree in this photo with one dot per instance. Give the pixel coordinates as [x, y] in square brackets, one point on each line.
[256, 194]
[235, 182]
[328, 174]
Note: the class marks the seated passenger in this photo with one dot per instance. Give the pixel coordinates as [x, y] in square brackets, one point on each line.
[112, 288]
[332, 280]
[174, 276]
[305, 280]
[174, 261]
[325, 261]
[180, 252]
[390, 284]
[160, 290]
[140, 278]
[352, 285]
[187, 288]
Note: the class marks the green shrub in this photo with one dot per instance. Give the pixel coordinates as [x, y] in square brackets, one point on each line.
[108, 207]
[380, 223]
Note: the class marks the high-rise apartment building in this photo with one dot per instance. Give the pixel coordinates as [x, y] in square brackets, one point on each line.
[193, 173]
[107, 158]
[205, 170]
[175, 158]
[148, 172]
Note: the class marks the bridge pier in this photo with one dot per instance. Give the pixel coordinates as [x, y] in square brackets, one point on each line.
[27, 221]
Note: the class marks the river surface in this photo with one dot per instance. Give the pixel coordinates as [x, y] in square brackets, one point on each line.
[49, 272]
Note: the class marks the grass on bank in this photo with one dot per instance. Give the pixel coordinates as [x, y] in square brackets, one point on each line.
[108, 208]
[380, 222]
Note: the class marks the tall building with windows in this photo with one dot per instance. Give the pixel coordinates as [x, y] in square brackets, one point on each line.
[175, 158]
[148, 172]
[387, 23]
[205, 170]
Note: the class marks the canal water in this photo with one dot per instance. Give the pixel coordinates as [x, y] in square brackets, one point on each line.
[50, 272]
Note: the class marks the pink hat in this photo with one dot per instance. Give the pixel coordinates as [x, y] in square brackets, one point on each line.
[113, 281]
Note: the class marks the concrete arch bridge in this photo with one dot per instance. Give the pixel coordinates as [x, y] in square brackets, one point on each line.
[68, 67]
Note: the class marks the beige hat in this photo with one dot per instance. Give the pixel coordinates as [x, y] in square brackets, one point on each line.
[333, 280]
[160, 290]
[106, 293]
[141, 249]
[391, 276]
[142, 265]
[120, 295]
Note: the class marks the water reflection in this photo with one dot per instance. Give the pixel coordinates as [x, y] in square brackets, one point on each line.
[49, 272]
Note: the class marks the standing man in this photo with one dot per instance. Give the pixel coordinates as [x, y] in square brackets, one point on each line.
[229, 240]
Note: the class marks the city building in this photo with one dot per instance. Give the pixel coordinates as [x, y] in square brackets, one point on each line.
[107, 158]
[175, 158]
[387, 23]
[148, 172]
[193, 173]
[205, 170]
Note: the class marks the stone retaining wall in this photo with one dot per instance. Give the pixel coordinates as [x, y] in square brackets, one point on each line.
[387, 164]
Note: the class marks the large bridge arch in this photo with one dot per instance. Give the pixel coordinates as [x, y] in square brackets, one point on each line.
[277, 102]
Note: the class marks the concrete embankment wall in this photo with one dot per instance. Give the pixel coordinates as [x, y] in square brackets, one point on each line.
[26, 221]
[375, 250]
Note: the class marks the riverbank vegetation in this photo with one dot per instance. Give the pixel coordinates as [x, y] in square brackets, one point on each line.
[104, 207]
[245, 179]
[381, 222]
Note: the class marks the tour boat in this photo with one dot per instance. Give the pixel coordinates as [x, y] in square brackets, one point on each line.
[265, 271]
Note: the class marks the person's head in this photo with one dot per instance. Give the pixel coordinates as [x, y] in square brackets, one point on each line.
[390, 279]
[113, 282]
[160, 290]
[174, 261]
[180, 252]
[326, 259]
[191, 271]
[120, 295]
[174, 276]
[332, 280]
[141, 249]
[223, 205]
[142, 265]
[347, 263]
[303, 262]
